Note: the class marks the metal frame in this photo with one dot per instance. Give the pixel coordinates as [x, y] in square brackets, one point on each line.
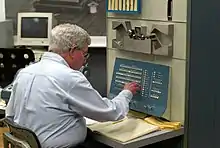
[202, 91]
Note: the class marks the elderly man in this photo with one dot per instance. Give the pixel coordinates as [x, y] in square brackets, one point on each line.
[51, 97]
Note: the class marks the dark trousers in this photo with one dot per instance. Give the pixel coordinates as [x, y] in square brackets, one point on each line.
[90, 142]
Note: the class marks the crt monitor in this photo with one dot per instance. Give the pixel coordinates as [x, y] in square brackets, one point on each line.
[33, 28]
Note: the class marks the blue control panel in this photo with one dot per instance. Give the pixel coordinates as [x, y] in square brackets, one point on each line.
[154, 81]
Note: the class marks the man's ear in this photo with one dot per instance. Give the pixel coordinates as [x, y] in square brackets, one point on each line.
[71, 52]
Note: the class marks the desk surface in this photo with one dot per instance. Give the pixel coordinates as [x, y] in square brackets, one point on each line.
[141, 141]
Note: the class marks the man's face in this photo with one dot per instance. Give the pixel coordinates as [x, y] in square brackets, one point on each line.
[78, 57]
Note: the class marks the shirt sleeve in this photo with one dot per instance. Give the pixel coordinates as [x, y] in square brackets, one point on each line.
[9, 111]
[86, 101]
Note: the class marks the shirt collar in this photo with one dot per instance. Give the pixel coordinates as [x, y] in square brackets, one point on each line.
[54, 57]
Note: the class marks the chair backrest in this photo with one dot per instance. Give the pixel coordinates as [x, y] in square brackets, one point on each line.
[22, 133]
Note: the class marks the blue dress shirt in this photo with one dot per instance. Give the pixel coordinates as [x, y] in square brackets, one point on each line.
[52, 100]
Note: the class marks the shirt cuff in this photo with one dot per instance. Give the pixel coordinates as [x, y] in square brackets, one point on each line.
[127, 94]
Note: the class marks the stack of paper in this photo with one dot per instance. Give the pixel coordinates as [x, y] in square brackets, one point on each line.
[90, 121]
[126, 130]
[163, 124]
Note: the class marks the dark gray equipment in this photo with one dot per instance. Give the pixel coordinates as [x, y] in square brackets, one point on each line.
[156, 39]
[6, 31]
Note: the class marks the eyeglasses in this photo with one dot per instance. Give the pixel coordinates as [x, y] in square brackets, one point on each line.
[86, 55]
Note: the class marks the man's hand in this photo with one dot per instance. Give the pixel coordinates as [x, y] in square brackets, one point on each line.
[133, 87]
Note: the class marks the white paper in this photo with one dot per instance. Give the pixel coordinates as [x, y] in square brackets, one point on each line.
[126, 130]
[2, 10]
[90, 121]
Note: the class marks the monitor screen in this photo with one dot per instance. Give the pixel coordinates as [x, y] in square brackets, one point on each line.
[34, 27]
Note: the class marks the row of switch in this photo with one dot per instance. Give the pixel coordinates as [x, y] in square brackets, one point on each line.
[134, 104]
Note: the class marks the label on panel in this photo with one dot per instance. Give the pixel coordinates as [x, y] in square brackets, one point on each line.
[154, 81]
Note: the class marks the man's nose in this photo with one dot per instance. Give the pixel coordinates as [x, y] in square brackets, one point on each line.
[85, 61]
[86, 57]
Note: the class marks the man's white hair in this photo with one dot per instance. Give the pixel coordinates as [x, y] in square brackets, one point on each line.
[66, 36]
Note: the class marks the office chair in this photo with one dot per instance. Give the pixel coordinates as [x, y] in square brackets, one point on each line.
[19, 137]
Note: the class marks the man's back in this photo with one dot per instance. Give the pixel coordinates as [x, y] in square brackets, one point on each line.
[40, 92]
[50, 99]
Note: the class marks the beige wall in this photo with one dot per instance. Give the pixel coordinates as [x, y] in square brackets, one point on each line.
[154, 11]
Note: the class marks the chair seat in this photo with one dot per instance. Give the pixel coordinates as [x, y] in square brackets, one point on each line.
[10, 139]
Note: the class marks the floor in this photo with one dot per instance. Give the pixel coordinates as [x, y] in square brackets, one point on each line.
[2, 130]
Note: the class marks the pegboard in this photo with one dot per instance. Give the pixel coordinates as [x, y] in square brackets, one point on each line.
[11, 60]
[153, 79]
